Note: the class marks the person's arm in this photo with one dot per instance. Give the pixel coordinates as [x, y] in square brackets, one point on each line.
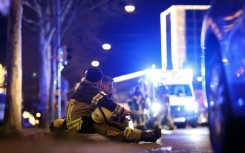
[102, 100]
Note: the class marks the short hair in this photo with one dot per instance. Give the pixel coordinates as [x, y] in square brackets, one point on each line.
[93, 74]
[106, 79]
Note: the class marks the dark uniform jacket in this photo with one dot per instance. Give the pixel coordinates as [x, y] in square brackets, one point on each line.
[83, 102]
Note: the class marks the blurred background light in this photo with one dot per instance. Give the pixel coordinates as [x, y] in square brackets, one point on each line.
[129, 8]
[95, 63]
[153, 66]
[38, 114]
[199, 78]
[106, 46]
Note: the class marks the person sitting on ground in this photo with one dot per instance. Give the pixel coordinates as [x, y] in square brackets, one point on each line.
[89, 110]
[107, 85]
[118, 121]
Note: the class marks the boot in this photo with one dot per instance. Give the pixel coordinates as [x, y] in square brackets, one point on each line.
[151, 136]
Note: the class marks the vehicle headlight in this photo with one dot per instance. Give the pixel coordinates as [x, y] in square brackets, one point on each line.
[155, 107]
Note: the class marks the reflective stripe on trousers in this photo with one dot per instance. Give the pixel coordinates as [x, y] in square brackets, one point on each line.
[128, 134]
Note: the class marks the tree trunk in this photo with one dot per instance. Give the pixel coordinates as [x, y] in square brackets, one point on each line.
[52, 109]
[12, 120]
[44, 83]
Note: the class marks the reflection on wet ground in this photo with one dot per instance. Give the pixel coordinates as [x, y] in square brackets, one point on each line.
[194, 140]
[166, 148]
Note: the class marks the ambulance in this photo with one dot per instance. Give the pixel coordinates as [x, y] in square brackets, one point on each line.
[183, 106]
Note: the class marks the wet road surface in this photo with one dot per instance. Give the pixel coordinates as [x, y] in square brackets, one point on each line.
[41, 141]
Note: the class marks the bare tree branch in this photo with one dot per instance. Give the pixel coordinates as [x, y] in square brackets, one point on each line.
[77, 13]
[48, 37]
[29, 21]
[66, 10]
[39, 8]
[45, 7]
[32, 25]
[30, 6]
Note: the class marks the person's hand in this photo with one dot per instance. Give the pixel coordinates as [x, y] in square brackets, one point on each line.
[127, 112]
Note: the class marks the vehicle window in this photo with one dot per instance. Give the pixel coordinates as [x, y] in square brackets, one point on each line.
[180, 90]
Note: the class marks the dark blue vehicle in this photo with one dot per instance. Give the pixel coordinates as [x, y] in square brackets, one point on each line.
[223, 42]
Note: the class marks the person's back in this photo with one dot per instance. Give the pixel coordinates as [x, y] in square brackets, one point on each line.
[80, 102]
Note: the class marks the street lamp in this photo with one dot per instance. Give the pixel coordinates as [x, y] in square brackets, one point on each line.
[95, 63]
[129, 8]
[106, 46]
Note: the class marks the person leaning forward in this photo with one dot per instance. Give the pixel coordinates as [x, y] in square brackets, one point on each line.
[84, 112]
[120, 122]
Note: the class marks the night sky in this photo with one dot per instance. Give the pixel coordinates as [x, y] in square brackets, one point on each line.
[135, 39]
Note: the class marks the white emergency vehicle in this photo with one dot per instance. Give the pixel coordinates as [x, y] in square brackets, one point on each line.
[183, 107]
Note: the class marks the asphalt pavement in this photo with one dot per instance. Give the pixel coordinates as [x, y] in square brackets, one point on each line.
[43, 141]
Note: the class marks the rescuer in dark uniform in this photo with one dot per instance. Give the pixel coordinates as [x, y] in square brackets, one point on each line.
[138, 104]
[164, 114]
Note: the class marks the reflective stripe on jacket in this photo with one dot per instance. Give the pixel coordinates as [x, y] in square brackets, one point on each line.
[84, 101]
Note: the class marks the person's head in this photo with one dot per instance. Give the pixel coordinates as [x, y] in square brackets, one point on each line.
[107, 84]
[137, 91]
[94, 75]
[163, 91]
